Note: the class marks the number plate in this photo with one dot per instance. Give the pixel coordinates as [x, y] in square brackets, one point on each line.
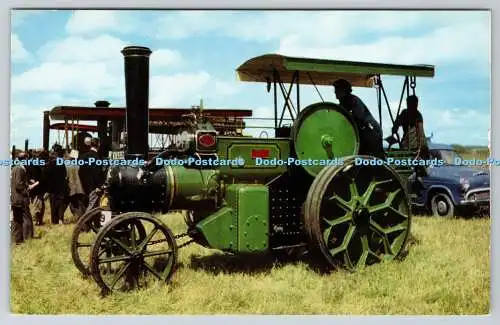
[104, 201]
[105, 217]
[483, 196]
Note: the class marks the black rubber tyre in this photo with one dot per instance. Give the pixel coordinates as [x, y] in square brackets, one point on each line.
[442, 206]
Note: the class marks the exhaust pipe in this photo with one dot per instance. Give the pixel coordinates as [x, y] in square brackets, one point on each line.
[137, 98]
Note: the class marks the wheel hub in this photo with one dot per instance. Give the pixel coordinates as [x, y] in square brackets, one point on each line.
[361, 216]
[137, 256]
[442, 207]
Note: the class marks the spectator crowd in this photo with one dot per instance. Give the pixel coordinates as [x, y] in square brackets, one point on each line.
[63, 186]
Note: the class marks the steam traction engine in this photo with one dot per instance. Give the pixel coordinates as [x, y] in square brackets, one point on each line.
[352, 215]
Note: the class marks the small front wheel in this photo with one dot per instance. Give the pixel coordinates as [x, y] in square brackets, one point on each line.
[83, 237]
[140, 245]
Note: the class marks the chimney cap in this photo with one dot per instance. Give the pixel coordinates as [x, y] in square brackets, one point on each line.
[136, 51]
[102, 103]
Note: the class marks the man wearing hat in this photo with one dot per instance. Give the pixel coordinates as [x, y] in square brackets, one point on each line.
[22, 222]
[92, 176]
[370, 131]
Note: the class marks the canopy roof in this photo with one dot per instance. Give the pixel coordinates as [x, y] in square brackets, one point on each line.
[74, 126]
[324, 72]
[82, 113]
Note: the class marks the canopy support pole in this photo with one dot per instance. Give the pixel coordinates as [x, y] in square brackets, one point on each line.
[287, 94]
[275, 101]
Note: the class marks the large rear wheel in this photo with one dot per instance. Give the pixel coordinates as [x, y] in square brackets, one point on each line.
[358, 215]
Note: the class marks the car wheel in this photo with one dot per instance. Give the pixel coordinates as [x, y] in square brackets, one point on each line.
[442, 206]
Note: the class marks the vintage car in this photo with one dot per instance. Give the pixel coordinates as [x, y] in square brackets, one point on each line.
[451, 189]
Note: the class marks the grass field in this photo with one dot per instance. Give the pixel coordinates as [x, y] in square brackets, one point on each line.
[447, 272]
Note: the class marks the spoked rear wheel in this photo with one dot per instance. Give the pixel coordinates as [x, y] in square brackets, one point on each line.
[134, 255]
[358, 215]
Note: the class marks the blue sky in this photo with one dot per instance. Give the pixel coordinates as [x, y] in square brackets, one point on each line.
[73, 58]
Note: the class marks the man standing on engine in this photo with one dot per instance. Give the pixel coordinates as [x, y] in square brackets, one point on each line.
[370, 132]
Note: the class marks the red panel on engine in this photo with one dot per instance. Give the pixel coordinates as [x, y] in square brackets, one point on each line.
[206, 140]
[260, 153]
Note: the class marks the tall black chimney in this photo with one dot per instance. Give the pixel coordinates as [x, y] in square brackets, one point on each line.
[46, 130]
[137, 94]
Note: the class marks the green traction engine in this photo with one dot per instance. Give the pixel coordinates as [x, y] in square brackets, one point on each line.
[315, 196]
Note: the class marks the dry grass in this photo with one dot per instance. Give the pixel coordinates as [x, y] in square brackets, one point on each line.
[447, 272]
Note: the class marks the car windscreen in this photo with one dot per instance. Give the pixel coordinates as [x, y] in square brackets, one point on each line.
[448, 156]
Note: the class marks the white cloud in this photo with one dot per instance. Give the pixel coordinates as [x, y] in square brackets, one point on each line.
[82, 49]
[25, 123]
[17, 50]
[446, 44]
[164, 58]
[177, 25]
[449, 125]
[83, 78]
[90, 21]
[170, 90]
[223, 88]
[320, 27]
[91, 67]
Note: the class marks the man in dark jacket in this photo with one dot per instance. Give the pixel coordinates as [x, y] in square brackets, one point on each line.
[370, 132]
[92, 175]
[76, 198]
[37, 190]
[56, 180]
[84, 148]
[22, 222]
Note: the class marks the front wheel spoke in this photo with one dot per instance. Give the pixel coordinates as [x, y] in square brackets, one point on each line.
[122, 245]
[120, 274]
[94, 229]
[152, 270]
[105, 250]
[83, 245]
[148, 238]
[343, 204]
[132, 236]
[115, 259]
[156, 253]
[345, 242]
